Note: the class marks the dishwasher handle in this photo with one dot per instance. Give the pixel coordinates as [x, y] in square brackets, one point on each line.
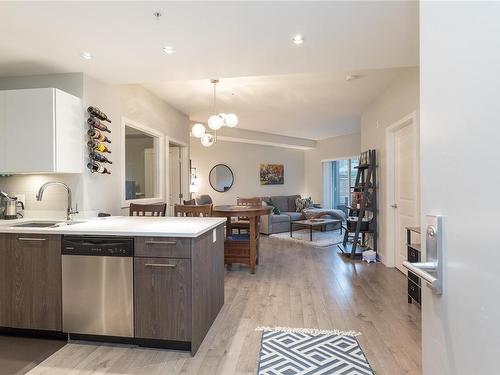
[87, 244]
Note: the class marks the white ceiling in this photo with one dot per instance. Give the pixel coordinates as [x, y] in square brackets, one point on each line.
[313, 106]
[224, 40]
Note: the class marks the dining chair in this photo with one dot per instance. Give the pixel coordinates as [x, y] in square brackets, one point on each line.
[147, 209]
[237, 250]
[204, 210]
[243, 222]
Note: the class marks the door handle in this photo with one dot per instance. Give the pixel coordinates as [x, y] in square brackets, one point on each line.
[31, 239]
[395, 205]
[165, 265]
[422, 270]
[432, 269]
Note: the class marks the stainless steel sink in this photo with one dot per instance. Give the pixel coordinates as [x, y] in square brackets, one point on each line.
[36, 224]
[45, 224]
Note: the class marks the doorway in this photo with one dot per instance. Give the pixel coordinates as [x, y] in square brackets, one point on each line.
[178, 166]
[402, 186]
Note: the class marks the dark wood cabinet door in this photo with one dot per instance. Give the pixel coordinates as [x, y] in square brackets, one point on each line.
[6, 281]
[36, 282]
[162, 298]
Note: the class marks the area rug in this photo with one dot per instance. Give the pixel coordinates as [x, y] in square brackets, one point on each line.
[292, 351]
[320, 239]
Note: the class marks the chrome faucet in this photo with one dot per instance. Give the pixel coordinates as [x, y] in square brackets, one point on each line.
[69, 210]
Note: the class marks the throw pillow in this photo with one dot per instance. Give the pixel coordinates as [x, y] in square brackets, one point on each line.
[275, 209]
[302, 203]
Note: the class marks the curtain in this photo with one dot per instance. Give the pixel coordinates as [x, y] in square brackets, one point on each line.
[327, 184]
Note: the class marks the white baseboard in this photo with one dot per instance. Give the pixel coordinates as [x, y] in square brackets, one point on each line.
[382, 260]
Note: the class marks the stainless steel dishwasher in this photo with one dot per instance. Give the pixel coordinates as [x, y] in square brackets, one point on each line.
[97, 285]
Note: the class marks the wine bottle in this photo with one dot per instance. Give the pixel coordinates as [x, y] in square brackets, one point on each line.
[98, 136]
[95, 156]
[94, 111]
[98, 146]
[97, 124]
[95, 167]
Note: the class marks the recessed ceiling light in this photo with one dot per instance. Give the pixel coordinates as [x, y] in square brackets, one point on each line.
[168, 50]
[298, 39]
[86, 56]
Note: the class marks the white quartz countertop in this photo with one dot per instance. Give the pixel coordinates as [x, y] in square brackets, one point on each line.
[123, 226]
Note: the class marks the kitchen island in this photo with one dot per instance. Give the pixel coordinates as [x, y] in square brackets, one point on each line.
[149, 281]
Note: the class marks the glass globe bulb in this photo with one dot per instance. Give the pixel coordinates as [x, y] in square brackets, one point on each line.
[198, 130]
[223, 117]
[207, 140]
[231, 120]
[215, 122]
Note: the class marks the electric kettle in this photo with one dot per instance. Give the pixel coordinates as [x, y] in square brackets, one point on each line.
[10, 206]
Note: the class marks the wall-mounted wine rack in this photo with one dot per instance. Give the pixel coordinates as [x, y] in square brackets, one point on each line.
[98, 142]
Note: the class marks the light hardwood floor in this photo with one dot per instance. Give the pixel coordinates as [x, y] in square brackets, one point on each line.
[294, 286]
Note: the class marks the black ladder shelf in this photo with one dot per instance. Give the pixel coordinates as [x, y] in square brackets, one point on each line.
[362, 217]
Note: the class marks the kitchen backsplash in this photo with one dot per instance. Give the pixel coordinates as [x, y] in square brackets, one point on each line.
[54, 198]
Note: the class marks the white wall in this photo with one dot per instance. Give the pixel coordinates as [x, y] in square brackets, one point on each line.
[460, 137]
[244, 160]
[95, 192]
[400, 99]
[344, 146]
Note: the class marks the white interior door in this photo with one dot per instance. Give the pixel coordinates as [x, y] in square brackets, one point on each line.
[460, 136]
[405, 189]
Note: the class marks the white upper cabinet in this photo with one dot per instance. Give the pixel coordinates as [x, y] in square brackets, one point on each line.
[41, 131]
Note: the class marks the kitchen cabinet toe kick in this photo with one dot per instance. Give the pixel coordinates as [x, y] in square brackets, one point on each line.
[37, 333]
[134, 341]
[69, 337]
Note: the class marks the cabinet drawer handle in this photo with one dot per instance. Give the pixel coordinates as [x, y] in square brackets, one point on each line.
[161, 265]
[161, 242]
[31, 239]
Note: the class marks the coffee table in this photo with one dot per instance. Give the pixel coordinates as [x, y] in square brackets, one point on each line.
[311, 224]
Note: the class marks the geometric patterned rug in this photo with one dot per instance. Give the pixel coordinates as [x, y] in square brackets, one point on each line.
[302, 351]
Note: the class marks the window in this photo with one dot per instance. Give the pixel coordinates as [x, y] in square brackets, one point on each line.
[142, 164]
[339, 176]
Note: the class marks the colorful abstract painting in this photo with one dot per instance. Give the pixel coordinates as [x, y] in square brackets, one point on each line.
[272, 174]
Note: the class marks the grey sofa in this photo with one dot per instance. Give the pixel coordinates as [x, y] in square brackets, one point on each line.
[273, 223]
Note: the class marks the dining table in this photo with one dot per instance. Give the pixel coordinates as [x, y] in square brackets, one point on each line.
[253, 213]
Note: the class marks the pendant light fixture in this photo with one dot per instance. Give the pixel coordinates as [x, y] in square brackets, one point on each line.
[215, 122]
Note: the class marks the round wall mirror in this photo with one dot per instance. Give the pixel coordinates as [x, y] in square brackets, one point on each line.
[221, 178]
